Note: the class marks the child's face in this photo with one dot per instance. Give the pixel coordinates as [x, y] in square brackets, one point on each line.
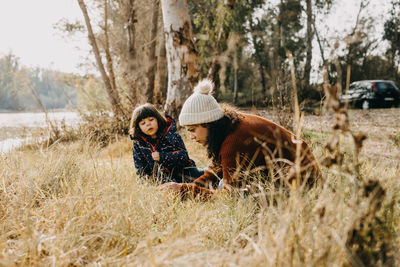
[149, 126]
[198, 133]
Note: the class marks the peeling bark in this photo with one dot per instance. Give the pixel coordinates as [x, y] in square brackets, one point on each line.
[182, 55]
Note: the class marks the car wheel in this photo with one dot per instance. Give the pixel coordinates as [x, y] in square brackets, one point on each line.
[365, 104]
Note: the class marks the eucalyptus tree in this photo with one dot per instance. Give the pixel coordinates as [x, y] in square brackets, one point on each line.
[353, 48]
[124, 47]
[309, 38]
[313, 8]
[392, 34]
[223, 38]
[108, 78]
[283, 26]
[182, 54]
[211, 32]
[152, 55]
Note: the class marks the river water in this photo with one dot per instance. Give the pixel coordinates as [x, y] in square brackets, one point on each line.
[17, 129]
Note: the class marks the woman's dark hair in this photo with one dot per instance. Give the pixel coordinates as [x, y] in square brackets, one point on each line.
[143, 112]
[218, 130]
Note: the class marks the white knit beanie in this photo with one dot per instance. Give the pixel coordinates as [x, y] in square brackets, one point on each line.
[201, 106]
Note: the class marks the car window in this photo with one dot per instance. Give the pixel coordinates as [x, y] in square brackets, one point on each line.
[382, 86]
[389, 85]
[394, 86]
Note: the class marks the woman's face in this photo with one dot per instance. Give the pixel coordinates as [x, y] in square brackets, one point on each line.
[149, 126]
[198, 133]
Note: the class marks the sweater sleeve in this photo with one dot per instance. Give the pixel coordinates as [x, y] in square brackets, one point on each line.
[200, 186]
[142, 165]
[206, 179]
[196, 191]
[228, 155]
[178, 157]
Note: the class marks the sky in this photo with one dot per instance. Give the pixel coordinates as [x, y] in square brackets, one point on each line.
[344, 16]
[27, 30]
[341, 22]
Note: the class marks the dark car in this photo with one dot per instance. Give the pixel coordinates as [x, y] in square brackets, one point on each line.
[372, 93]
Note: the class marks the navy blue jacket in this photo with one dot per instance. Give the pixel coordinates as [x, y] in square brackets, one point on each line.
[174, 158]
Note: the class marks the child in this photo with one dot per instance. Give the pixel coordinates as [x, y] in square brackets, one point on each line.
[158, 151]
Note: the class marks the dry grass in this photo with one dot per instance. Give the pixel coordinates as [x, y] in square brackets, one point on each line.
[74, 204]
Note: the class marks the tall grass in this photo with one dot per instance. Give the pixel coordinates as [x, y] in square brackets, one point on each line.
[75, 204]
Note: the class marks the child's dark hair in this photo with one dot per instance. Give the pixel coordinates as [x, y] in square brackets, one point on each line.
[218, 130]
[143, 112]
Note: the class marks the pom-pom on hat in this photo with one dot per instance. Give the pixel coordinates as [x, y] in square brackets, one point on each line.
[201, 106]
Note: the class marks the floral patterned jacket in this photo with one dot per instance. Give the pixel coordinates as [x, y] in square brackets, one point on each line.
[173, 155]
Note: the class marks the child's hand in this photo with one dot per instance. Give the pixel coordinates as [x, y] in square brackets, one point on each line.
[156, 156]
[131, 134]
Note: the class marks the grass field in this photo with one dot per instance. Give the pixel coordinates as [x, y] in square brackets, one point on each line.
[75, 204]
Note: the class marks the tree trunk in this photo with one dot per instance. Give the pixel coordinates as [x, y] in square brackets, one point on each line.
[262, 81]
[319, 45]
[182, 55]
[272, 71]
[152, 58]
[235, 76]
[112, 94]
[110, 66]
[350, 47]
[130, 61]
[214, 71]
[395, 48]
[162, 71]
[348, 75]
[280, 45]
[282, 42]
[259, 61]
[213, 74]
[339, 80]
[307, 68]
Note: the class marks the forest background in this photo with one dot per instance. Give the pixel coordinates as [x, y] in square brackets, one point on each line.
[242, 45]
[71, 196]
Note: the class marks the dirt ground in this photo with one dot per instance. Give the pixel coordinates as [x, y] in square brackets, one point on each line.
[382, 127]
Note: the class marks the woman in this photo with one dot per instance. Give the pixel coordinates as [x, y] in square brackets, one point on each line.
[240, 143]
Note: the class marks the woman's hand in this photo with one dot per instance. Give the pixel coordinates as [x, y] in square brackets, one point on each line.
[156, 156]
[171, 187]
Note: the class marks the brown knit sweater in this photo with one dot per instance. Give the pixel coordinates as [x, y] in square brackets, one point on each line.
[255, 142]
